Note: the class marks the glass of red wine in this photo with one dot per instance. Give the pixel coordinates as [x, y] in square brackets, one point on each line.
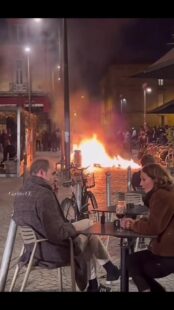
[120, 209]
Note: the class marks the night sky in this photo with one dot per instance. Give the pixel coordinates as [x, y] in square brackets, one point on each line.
[95, 44]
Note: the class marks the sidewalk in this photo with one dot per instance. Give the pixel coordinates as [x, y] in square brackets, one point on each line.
[42, 279]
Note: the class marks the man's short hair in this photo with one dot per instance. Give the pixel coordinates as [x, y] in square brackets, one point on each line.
[147, 159]
[39, 164]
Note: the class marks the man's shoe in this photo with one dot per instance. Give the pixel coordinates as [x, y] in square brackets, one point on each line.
[147, 290]
[92, 289]
[112, 277]
[103, 288]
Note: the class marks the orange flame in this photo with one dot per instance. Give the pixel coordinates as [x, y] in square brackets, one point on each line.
[93, 153]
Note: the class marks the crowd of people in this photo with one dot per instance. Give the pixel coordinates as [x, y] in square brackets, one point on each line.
[46, 141]
[133, 138]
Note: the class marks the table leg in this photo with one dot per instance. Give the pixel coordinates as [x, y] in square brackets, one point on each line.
[124, 283]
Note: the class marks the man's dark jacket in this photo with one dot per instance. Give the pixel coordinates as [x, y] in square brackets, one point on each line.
[136, 180]
[36, 205]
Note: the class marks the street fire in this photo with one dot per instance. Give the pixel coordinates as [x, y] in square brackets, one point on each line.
[93, 153]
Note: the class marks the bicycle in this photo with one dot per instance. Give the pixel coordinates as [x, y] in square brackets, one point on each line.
[82, 200]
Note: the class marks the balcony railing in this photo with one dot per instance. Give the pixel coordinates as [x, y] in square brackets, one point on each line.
[17, 88]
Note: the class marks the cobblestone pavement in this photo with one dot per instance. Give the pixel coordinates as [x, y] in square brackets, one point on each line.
[43, 280]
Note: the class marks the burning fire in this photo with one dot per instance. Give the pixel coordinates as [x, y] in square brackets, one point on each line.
[93, 153]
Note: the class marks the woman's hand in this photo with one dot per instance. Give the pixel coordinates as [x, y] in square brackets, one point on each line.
[127, 223]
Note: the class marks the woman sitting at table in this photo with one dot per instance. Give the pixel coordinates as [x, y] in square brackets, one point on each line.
[136, 176]
[158, 260]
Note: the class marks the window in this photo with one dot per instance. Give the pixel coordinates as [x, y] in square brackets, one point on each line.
[16, 32]
[160, 82]
[19, 33]
[19, 73]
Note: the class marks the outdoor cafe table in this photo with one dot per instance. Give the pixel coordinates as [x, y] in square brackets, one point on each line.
[108, 229]
[130, 211]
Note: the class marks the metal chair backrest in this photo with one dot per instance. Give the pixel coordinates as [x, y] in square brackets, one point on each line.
[28, 235]
[120, 196]
[134, 198]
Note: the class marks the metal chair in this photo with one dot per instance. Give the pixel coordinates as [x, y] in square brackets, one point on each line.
[29, 237]
[119, 196]
[134, 198]
[109, 217]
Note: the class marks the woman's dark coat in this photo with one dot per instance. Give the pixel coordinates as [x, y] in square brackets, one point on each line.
[160, 222]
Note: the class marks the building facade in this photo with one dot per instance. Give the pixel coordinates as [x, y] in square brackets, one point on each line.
[123, 97]
[28, 79]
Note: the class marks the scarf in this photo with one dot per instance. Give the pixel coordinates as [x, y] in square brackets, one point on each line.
[146, 198]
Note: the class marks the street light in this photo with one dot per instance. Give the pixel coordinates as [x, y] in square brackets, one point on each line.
[146, 90]
[37, 20]
[123, 102]
[56, 76]
[28, 50]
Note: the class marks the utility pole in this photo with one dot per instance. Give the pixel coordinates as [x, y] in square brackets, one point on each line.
[66, 98]
[28, 50]
[146, 90]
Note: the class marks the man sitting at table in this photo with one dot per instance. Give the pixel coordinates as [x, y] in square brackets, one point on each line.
[37, 206]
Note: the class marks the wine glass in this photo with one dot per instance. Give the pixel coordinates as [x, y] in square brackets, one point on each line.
[121, 209]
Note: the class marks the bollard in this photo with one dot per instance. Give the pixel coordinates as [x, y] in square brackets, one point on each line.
[77, 158]
[62, 152]
[129, 179]
[78, 194]
[108, 189]
[25, 168]
[7, 254]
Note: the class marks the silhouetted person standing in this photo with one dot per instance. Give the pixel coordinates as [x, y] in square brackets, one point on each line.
[9, 149]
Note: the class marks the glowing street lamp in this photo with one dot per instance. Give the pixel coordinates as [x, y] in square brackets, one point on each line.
[146, 90]
[56, 76]
[123, 102]
[37, 20]
[28, 50]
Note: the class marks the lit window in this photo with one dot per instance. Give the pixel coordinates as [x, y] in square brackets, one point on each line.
[160, 82]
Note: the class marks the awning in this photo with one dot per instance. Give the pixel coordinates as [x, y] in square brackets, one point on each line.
[161, 69]
[167, 108]
[40, 102]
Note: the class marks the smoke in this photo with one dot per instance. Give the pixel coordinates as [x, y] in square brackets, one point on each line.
[57, 112]
[85, 116]
[93, 44]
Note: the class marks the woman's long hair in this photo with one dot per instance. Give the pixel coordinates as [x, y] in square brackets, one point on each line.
[160, 176]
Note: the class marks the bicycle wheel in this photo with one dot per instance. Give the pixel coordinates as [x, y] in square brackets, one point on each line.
[89, 201]
[92, 200]
[69, 209]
